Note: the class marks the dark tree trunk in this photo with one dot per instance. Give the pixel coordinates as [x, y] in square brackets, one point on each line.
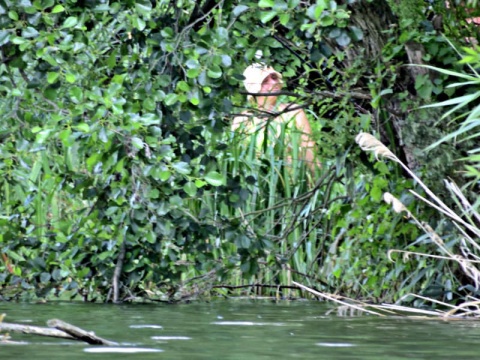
[375, 19]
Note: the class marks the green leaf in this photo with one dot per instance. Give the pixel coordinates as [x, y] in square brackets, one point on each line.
[64, 136]
[170, 99]
[214, 72]
[37, 167]
[318, 11]
[192, 64]
[137, 142]
[4, 37]
[29, 32]
[45, 277]
[45, 4]
[149, 104]
[226, 60]
[243, 242]
[284, 19]
[200, 183]
[167, 32]
[165, 175]
[327, 20]
[182, 167]
[266, 16]
[139, 23]
[13, 15]
[222, 35]
[239, 9]
[183, 86]
[143, 6]
[266, 3]
[58, 9]
[193, 73]
[71, 21]
[70, 78]
[357, 33]
[343, 39]
[42, 136]
[82, 127]
[190, 189]
[215, 178]
[18, 40]
[52, 77]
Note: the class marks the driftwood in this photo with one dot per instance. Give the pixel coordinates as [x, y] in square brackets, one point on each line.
[35, 330]
[57, 329]
[79, 334]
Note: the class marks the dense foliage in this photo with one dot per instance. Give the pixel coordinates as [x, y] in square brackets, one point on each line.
[121, 177]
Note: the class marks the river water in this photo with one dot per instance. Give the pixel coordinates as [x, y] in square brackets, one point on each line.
[238, 329]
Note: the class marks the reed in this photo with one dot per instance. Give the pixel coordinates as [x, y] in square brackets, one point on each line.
[466, 255]
[280, 215]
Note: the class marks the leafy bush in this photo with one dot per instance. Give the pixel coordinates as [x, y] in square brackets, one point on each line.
[120, 177]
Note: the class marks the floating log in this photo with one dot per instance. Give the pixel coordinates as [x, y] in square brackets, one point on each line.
[35, 330]
[57, 329]
[79, 334]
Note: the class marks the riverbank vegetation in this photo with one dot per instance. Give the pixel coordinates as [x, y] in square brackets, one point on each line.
[121, 179]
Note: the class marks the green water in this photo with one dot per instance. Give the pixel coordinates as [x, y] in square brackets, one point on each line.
[237, 330]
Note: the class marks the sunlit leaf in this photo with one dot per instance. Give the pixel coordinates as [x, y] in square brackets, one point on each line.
[190, 189]
[214, 178]
[266, 3]
[182, 167]
[266, 16]
[70, 22]
[58, 9]
[239, 9]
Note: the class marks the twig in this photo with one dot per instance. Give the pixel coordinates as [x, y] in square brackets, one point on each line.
[233, 287]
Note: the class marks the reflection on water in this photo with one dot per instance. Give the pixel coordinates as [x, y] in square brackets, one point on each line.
[171, 338]
[246, 323]
[237, 330]
[334, 344]
[146, 326]
[120, 350]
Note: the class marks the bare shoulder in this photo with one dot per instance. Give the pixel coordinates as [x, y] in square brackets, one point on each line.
[295, 111]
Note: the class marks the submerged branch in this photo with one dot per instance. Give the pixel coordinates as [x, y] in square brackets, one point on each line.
[79, 334]
[34, 330]
[233, 287]
[57, 329]
[333, 298]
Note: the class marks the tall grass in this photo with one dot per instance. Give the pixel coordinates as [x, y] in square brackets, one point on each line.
[465, 252]
[280, 207]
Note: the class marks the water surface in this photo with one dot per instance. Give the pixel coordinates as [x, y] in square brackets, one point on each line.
[238, 329]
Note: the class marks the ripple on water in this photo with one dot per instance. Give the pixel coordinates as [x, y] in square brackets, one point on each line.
[171, 338]
[146, 326]
[247, 323]
[121, 350]
[327, 344]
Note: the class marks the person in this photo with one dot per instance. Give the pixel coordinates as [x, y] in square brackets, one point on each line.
[263, 84]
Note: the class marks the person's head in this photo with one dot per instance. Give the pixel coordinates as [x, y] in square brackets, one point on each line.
[261, 79]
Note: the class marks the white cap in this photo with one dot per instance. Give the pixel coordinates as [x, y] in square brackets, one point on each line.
[254, 76]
